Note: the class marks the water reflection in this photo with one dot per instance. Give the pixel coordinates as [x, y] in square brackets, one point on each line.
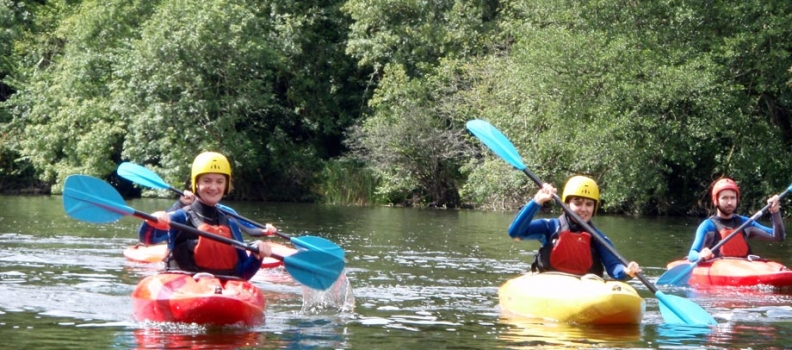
[193, 337]
[531, 333]
[680, 334]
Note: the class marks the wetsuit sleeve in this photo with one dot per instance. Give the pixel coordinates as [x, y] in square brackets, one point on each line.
[698, 241]
[613, 265]
[525, 228]
[757, 230]
[176, 206]
[149, 235]
[248, 263]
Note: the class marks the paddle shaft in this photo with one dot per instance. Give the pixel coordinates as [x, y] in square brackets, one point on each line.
[590, 229]
[205, 234]
[745, 224]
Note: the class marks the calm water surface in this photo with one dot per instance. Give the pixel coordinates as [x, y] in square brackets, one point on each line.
[419, 279]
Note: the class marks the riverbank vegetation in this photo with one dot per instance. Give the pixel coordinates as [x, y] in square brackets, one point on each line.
[364, 102]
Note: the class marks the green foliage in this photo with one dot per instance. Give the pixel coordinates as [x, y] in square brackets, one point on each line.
[412, 146]
[650, 116]
[346, 182]
[157, 82]
[415, 34]
[655, 100]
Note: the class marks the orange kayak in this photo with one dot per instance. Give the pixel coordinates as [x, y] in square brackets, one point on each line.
[201, 299]
[155, 253]
[737, 272]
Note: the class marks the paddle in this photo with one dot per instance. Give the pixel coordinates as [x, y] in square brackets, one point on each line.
[680, 275]
[143, 176]
[674, 309]
[90, 199]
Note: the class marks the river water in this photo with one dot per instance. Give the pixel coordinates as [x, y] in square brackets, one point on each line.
[418, 279]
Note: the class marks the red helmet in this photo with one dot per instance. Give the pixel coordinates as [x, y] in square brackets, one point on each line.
[724, 184]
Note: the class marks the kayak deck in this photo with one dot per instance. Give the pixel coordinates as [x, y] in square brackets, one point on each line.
[737, 272]
[201, 299]
[568, 298]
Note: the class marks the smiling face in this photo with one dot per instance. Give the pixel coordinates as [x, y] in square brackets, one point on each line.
[583, 207]
[211, 188]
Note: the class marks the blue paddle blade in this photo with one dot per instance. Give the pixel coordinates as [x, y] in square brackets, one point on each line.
[496, 141]
[318, 244]
[90, 199]
[316, 270]
[677, 276]
[141, 175]
[677, 310]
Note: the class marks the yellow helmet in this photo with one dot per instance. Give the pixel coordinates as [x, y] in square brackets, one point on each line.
[581, 186]
[210, 163]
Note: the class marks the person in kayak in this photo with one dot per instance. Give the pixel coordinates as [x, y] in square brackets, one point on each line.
[566, 247]
[725, 197]
[211, 180]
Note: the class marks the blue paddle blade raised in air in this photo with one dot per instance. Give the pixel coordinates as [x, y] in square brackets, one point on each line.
[496, 141]
[318, 244]
[141, 175]
[316, 270]
[90, 199]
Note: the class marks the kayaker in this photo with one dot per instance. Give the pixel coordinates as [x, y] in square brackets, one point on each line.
[725, 197]
[211, 180]
[565, 246]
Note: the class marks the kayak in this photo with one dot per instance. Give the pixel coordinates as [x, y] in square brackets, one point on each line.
[737, 272]
[201, 298]
[155, 253]
[567, 298]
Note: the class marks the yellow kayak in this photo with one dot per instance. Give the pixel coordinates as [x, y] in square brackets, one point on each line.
[569, 298]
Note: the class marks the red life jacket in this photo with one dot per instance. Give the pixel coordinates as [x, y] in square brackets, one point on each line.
[572, 253]
[214, 255]
[737, 246]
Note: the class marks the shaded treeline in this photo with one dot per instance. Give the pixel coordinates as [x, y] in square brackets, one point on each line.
[364, 102]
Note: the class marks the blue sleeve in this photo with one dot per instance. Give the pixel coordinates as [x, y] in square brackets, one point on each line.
[249, 265]
[149, 235]
[698, 241]
[525, 228]
[613, 265]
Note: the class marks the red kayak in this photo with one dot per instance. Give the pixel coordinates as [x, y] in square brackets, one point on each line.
[155, 253]
[737, 272]
[201, 299]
